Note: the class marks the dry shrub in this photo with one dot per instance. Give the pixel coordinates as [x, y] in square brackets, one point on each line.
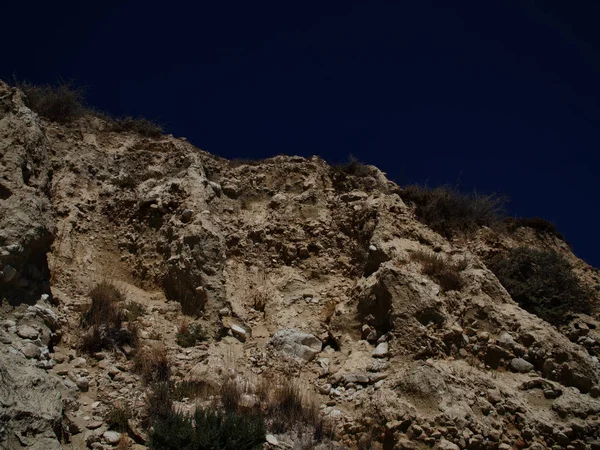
[189, 334]
[446, 273]
[117, 416]
[152, 363]
[103, 321]
[450, 212]
[259, 299]
[140, 125]
[160, 402]
[328, 311]
[289, 409]
[105, 308]
[231, 394]
[62, 102]
[190, 389]
[538, 224]
[260, 292]
[133, 310]
[352, 167]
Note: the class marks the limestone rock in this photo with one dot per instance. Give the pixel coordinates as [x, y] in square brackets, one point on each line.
[30, 405]
[111, 437]
[30, 350]
[297, 344]
[381, 351]
[520, 365]
[27, 332]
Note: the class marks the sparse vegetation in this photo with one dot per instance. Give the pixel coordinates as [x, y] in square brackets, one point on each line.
[536, 223]
[352, 167]
[152, 363]
[446, 273]
[189, 389]
[259, 299]
[237, 162]
[139, 125]
[160, 403]
[133, 310]
[188, 334]
[450, 212]
[329, 311]
[542, 282]
[62, 102]
[116, 418]
[209, 429]
[103, 320]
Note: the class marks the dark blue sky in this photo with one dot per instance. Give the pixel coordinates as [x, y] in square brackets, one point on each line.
[504, 95]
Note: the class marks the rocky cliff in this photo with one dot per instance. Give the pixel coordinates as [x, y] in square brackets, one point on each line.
[294, 270]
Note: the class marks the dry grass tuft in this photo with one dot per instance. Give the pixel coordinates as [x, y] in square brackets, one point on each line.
[446, 273]
[117, 416]
[103, 321]
[329, 311]
[450, 212]
[152, 363]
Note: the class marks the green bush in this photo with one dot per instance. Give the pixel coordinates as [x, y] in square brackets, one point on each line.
[59, 103]
[542, 282]
[190, 334]
[450, 212]
[209, 430]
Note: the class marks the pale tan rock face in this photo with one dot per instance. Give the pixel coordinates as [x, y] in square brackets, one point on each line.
[296, 271]
[26, 216]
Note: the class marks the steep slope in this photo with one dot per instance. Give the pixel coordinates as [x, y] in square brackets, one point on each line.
[296, 270]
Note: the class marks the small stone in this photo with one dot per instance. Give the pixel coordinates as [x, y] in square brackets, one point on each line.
[520, 365]
[30, 350]
[271, 439]
[186, 215]
[82, 383]
[27, 332]
[79, 362]
[447, 445]
[111, 437]
[94, 424]
[507, 340]
[381, 351]
[238, 332]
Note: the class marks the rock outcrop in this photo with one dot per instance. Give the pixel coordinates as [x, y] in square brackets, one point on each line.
[294, 270]
[26, 216]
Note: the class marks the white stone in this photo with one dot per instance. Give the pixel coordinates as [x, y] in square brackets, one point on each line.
[111, 437]
[381, 351]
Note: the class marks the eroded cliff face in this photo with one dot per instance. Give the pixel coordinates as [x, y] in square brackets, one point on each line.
[296, 270]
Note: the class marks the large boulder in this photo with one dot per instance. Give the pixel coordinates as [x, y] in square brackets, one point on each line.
[30, 405]
[294, 343]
